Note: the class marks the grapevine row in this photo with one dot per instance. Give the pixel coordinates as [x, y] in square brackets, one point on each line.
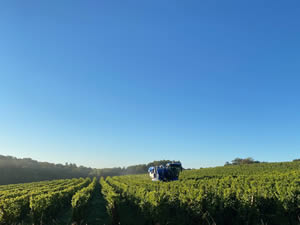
[244, 199]
[81, 199]
[40, 203]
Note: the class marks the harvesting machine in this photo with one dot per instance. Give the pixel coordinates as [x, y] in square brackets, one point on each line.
[170, 172]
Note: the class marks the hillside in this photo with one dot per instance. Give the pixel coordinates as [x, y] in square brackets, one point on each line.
[15, 170]
[256, 194]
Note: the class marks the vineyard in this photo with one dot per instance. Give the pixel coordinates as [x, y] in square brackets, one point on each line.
[248, 194]
[41, 202]
[264, 193]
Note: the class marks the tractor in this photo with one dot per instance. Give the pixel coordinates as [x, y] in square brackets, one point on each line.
[170, 172]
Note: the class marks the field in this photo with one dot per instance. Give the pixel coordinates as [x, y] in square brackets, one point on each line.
[263, 193]
[51, 202]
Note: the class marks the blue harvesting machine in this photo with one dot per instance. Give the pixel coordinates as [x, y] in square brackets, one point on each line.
[170, 172]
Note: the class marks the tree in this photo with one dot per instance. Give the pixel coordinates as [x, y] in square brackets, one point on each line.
[240, 161]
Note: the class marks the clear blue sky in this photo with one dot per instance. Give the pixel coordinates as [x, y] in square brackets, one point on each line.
[114, 83]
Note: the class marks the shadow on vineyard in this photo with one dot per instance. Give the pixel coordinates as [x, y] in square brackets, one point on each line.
[128, 214]
[96, 213]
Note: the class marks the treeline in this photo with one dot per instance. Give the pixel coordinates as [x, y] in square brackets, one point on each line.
[240, 161]
[15, 170]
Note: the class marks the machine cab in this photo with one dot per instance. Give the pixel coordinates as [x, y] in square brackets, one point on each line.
[153, 173]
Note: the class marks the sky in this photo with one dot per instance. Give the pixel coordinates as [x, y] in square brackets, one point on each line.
[115, 83]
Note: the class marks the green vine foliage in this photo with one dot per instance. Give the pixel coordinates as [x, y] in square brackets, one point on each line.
[81, 200]
[112, 198]
[262, 193]
[237, 195]
[40, 200]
